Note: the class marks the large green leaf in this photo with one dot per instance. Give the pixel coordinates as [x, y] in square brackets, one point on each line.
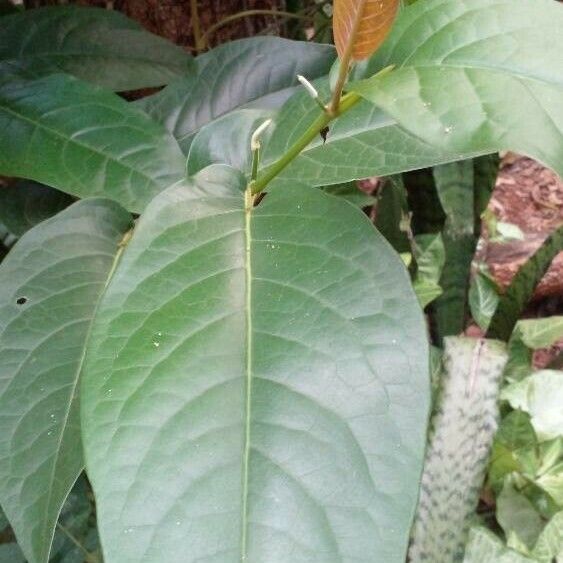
[260, 72]
[256, 385]
[101, 46]
[83, 140]
[361, 143]
[25, 204]
[472, 77]
[49, 286]
[460, 439]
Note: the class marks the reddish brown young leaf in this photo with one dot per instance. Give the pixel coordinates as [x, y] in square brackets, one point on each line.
[362, 25]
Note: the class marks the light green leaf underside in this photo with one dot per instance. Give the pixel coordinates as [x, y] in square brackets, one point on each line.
[260, 72]
[256, 387]
[84, 141]
[57, 272]
[501, 57]
[460, 438]
[100, 46]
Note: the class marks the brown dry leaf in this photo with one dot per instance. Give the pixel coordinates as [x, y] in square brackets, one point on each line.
[365, 23]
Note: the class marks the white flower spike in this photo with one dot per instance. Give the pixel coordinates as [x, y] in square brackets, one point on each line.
[255, 139]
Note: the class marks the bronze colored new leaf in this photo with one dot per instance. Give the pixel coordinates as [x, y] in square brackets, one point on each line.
[360, 26]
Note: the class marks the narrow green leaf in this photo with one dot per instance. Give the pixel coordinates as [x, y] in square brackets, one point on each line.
[49, 286]
[483, 299]
[461, 435]
[261, 389]
[100, 46]
[260, 72]
[25, 204]
[522, 286]
[484, 547]
[84, 141]
[454, 186]
[226, 141]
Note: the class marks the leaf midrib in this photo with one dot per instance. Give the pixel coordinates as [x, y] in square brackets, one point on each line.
[248, 302]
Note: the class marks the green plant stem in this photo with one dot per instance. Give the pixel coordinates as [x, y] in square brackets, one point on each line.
[346, 60]
[246, 14]
[199, 39]
[347, 102]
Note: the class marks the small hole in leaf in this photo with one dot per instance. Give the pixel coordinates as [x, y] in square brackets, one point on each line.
[21, 300]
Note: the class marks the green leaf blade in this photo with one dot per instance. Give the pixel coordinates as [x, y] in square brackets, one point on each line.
[256, 73]
[487, 120]
[266, 410]
[99, 46]
[50, 281]
[84, 141]
[493, 55]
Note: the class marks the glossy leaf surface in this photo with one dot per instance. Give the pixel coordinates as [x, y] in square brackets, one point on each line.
[261, 388]
[360, 26]
[502, 57]
[100, 46]
[260, 72]
[49, 286]
[84, 141]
